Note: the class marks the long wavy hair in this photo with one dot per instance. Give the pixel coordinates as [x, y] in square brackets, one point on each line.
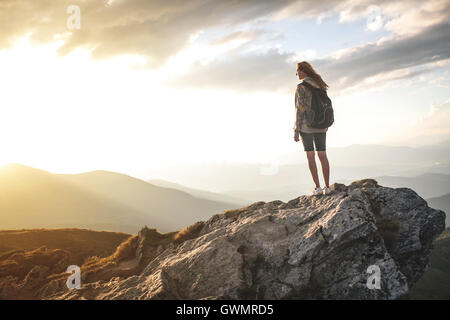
[310, 72]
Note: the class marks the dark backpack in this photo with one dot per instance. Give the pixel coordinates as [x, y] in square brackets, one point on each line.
[321, 114]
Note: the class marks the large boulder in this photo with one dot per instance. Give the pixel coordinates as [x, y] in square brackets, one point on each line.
[312, 247]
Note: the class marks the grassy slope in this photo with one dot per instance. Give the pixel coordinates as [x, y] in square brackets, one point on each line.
[80, 243]
[435, 283]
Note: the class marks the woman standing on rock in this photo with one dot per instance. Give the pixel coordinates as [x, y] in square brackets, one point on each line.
[311, 136]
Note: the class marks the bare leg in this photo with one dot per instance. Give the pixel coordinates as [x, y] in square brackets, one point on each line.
[325, 166]
[312, 167]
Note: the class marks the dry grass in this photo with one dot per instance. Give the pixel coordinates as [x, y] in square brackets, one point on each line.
[100, 255]
[103, 268]
[190, 232]
[154, 238]
[53, 250]
[81, 243]
[126, 250]
[20, 263]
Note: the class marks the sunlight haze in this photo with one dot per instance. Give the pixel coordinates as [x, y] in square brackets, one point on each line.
[225, 92]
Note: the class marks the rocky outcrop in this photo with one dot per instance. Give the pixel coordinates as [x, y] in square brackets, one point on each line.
[312, 247]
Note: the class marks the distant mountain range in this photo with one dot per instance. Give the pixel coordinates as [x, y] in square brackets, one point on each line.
[426, 185]
[290, 171]
[199, 193]
[33, 198]
[181, 195]
[414, 160]
[425, 169]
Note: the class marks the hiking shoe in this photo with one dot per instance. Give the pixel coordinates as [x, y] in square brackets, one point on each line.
[316, 191]
[326, 190]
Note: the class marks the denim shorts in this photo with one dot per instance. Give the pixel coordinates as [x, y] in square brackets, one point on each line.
[319, 140]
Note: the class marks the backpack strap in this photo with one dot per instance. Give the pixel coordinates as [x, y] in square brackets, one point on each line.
[310, 86]
[301, 85]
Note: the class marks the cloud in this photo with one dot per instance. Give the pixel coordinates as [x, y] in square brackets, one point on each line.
[159, 29]
[156, 29]
[375, 19]
[378, 59]
[397, 16]
[409, 19]
[443, 82]
[242, 73]
[365, 65]
[238, 35]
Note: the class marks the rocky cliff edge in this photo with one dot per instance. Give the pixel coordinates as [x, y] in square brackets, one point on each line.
[312, 247]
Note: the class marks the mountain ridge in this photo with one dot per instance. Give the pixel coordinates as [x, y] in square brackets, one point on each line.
[35, 198]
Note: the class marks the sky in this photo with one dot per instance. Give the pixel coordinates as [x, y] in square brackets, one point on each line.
[127, 85]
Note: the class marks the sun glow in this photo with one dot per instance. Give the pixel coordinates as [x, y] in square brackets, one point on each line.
[74, 114]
